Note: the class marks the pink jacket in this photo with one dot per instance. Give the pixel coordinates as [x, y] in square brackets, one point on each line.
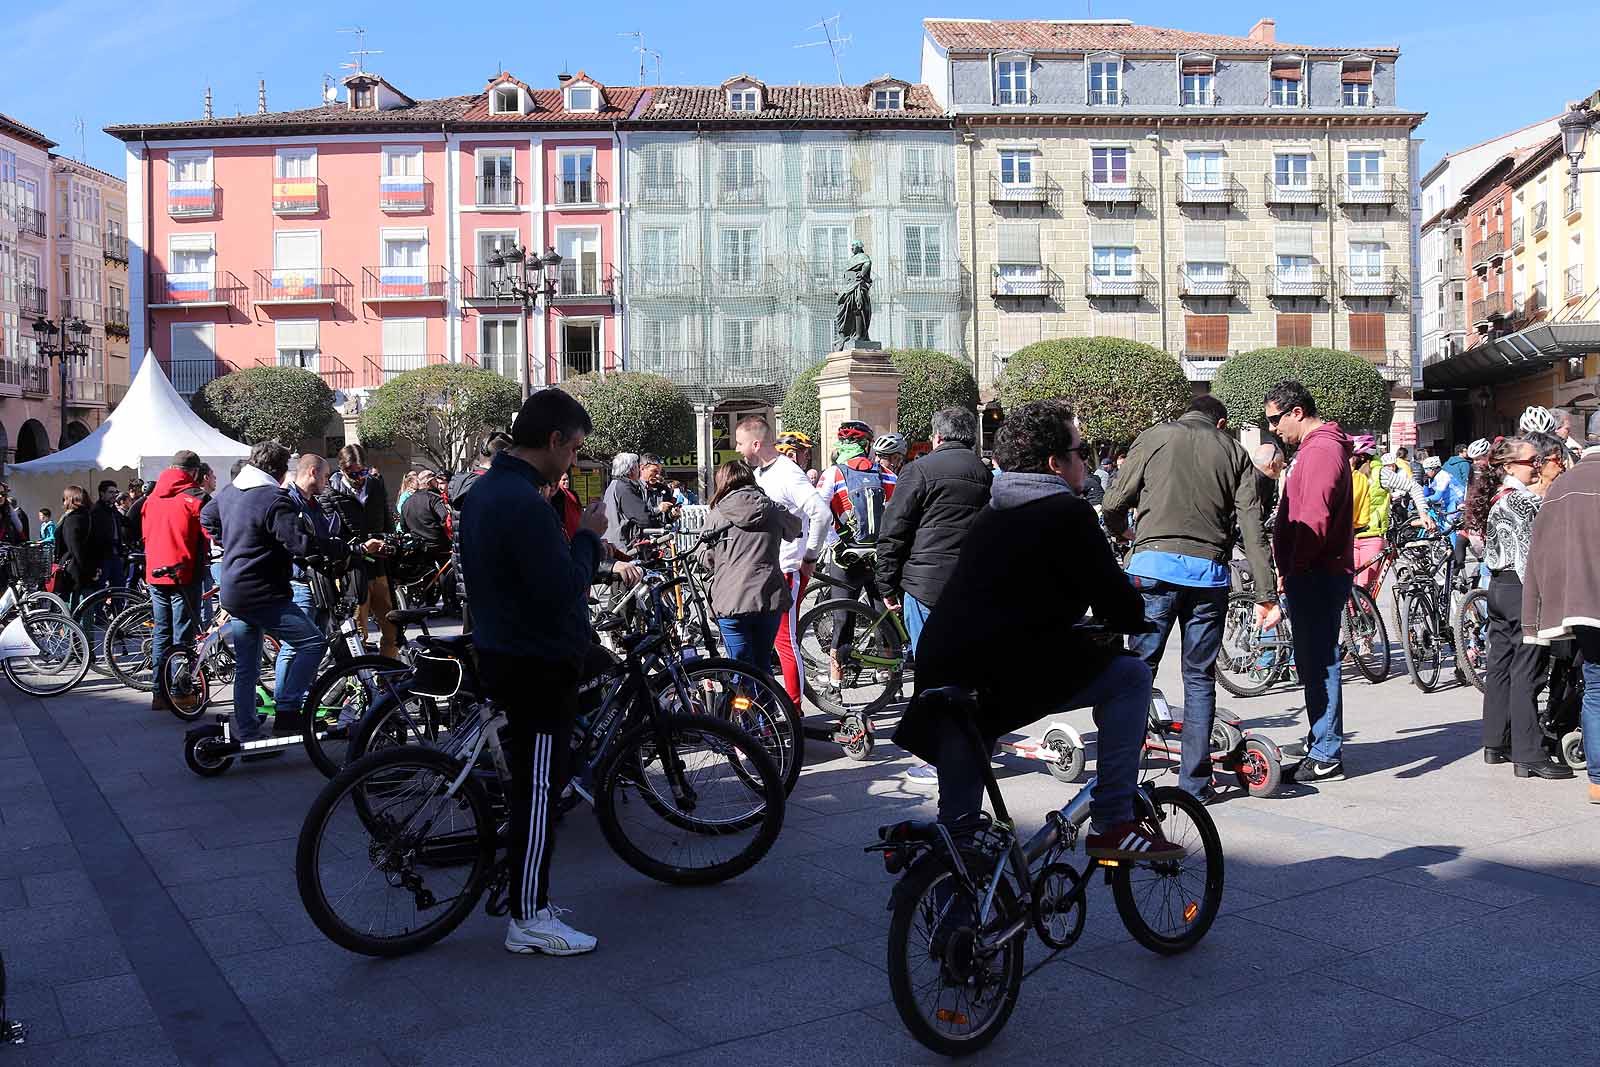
[1315, 531]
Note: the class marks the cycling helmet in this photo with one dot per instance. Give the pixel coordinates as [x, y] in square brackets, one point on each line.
[1536, 419]
[1478, 449]
[852, 430]
[890, 444]
[1432, 463]
[1365, 444]
[792, 442]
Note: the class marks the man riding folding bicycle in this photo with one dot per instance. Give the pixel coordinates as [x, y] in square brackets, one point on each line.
[992, 633]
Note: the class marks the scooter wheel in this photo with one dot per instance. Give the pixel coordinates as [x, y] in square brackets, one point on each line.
[1260, 767]
[1572, 750]
[857, 732]
[204, 753]
[1069, 761]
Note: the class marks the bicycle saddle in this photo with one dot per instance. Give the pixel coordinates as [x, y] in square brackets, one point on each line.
[408, 616]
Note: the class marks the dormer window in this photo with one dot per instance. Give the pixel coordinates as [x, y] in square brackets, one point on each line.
[1197, 80]
[1013, 80]
[363, 98]
[582, 98]
[744, 100]
[1105, 79]
[1355, 78]
[505, 100]
[1287, 87]
[888, 99]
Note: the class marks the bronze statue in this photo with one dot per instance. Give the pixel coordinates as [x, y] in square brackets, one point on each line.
[853, 320]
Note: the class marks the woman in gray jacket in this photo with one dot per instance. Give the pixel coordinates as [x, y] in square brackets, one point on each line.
[743, 534]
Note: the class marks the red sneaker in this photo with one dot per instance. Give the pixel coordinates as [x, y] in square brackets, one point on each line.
[1132, 841]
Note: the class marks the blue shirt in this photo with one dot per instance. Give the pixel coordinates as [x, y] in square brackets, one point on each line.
[1178, 569]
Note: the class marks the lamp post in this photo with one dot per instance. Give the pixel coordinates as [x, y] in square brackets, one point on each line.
[1575, 126]
[524, 279]
[68, 341]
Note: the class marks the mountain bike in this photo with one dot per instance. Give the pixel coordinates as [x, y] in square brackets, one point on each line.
[1424, 584]
[1252, 660]
[399, 847]
[969, 893]
[1471, 631]
[870, 648]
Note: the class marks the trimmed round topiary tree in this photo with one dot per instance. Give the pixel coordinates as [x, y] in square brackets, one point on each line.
[1348, 389]
[1117, 387]
[802, 408]
[634, 412]
[930, 381]
[443, 411]
[266, 403]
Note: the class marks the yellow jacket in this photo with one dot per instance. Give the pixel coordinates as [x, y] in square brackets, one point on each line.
[1363, 501]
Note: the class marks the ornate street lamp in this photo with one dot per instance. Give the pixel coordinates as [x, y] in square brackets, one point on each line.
[1575, 126]
[523, 278]
[66, 342]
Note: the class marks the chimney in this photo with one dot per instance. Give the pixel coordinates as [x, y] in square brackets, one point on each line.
[1264, 31]
[261, 97]
[208, 102]
[563, 78]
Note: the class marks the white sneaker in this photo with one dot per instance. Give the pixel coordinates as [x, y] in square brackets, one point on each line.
[921, 775]
[546, 933]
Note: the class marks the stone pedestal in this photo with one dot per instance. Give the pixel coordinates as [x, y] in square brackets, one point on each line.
[856, 384]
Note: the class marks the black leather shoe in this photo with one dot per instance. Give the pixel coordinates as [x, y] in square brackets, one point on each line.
[1543, 769]
[1496, 755]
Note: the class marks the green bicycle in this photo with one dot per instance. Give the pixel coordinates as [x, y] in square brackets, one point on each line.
[855, 659]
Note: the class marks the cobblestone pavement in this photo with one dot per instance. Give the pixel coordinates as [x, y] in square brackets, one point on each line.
[1430, 909]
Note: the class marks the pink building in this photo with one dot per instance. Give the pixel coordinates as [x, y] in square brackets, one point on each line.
[353, 238]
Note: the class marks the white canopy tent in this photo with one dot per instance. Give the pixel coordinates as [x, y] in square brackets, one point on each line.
[141, 436]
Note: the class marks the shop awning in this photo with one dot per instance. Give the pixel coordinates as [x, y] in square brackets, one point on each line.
[1513, 356]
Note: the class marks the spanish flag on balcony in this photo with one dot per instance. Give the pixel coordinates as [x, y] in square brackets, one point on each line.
[294, 194]
[294, 285]
[190, 197]
[188, 288]
[402, 192]
[403, 281]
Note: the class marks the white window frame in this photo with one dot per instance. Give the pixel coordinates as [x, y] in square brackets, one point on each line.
[517, 337]
[752, 275]
[1295, 268]
[644, 356]
[659, 269]
[1010, 66]
[745, 100]
[478, 157]
[386, 235]
[1207, 180]
[278, 349]
[579, 152]
[1372, 179]
[890, 99]
[399, 151]
[1114, 262]
[1363, 90]
[1297, 84]
[1127, 165]
[486, 277]
[923, 326]
[583, 87]
[190, 240]
[1365, 260]
[1203, 94]
[1109, 66]
[195, 155]
[1290, 171]
[497, 99]
[281, 155]
[1020, 160]
[918, 267]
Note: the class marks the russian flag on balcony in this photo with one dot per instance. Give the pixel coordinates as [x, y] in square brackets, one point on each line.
[190, 196]
[402, 192]
[294, 194]
[403, 281]
[294, 285]
[188, 288]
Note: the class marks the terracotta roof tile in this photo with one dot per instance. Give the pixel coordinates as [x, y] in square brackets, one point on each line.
[550, 105]
[981, 35]
[24, 131]
[443, 109]
[785, 103]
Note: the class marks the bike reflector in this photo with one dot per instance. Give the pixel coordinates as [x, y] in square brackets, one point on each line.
[1190, 910]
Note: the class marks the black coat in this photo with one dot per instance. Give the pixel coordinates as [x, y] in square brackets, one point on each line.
[935, 502]
[78, 550]
[107, 528]
[364, 520]
[1005, 623]
[424, 517]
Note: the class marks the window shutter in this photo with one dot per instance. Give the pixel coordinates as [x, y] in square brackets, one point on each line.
[1198, 66]
[1294, 331]
[1373, 234]
[1019, 242]
[296, 250]
[301, 334]
[1366, 334]
[405, 337]
[193, 341]
[1205, 242]
[1111, 235]
[1292, 240]
[1292, 74]
[191, 242]
[1205, 335]
[1357, 77]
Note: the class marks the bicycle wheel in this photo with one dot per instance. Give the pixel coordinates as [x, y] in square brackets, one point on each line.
[399, 716]
[94, 616]
[953, 996]
[389, 859]
[184, 684]
[871, 661]
[1169, 906]
[127, 648]
[1248, 662]
[337, 699]
[60, 663]
[1366, 638]
[750, 699]
[39, 600]
[1419, 627]
[724, 818]
[1472, 636]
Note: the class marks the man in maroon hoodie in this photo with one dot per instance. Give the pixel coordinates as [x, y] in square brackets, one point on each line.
[173, 538]
[1314, 543]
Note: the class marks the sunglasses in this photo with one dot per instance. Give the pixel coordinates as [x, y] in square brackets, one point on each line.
[1272, 420]
[1523, 461]
[1083, 451]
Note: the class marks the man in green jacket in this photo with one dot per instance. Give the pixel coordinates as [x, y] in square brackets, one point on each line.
[1192, 486]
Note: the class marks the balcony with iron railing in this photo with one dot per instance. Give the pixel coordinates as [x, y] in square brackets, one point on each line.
[832, 188]
[702, 372]
[663, 192]
[86, 392]
[1202, 364]
[297, 196]
[1574, 200]
[31, 222]
[301, 285]
[584, 283]
[652, 280]
[196, 289]
[1224, 190]
[404, 194]
[505, 364]
[116, 247]
[921, 187]
[1395, 367]
[396, 284]
[1037, 283]
[1292, 189]
[35, 300]
[818, 277]
[1540, 224]
[1382, 283]
[1226, 283]
[487, 283]
[1041, 191]
[581, 192]
[116, 321]
[193, 199]
[736, 189]
[927, 276]
[1371, 192]
[497, 192]
[115, 392]
[189, 376]
[1518, 235]
[1297, 282]
[1534, 304]
[1453, 267]
[37, 374]
[1488, 308]
[572, 362]
[1106, 190]
[336, 372]
[1490, 248]
[1136, 285]
[1573, 287]
[377, 369]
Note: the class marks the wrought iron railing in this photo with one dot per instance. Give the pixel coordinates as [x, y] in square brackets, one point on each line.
[1208, 283]
[192, 199]
[1381, 192]
[1518, 234]
[1312, 190]
[35, 299]
[1383, 283]
[740, 189]
[1541, 217]
[203, 288]
[1042, 190]
[1491, 247]
[1306, 281]
[484, 282]
[1042, 283]
[116, 247]
[924, 188]
[30, 220]
[498, 191]
[1574, 281]
[297, 196]
[584, 283]
[404, 283]
[663, 281]
[927, 275]
[1105, 189]
[573, 362]
[375, 370]
[1138, 285]
[1574, 199]
[117, 320]
[832, 187]
[189, 376]
[404, 194]
[1489, 307]
[1224, 190]
[591, 190]
[301, 285]
[663, 191]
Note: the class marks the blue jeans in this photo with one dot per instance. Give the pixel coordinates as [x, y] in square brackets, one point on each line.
[916, 616]
[1315, 602]
[1589, 642]
[749, 638]
[291, 626]
[176, 609]
[1200, 612]
[300, 593]
[210, 574]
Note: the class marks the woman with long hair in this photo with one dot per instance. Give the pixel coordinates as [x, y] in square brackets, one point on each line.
[744, 532]
[408, 485]
[78, 552]
[1520, 469]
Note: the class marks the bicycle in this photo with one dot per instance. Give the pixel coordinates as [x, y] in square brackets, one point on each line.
[42, 653]
[1251, 661]
[871, 649]
[1425, 582]
[1471, 630]
[698, 780]
[969, 894]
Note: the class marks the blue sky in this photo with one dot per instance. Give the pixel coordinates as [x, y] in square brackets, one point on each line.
[1478, 68]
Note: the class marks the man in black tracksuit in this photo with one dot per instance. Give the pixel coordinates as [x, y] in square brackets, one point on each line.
[356, 494]
[532, 633]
